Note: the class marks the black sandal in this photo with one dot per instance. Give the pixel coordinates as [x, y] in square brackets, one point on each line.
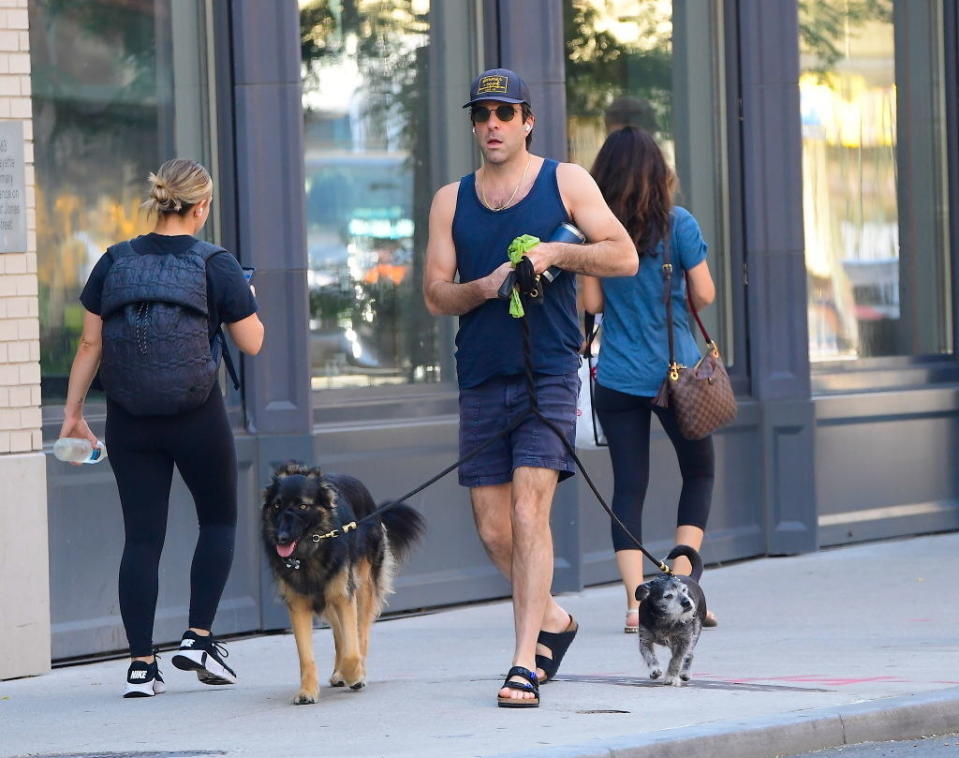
[558, 643]
[529, 685]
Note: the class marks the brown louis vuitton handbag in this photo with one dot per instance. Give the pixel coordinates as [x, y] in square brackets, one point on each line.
[701, 397]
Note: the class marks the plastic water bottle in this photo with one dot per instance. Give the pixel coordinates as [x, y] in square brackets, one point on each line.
[78, 450]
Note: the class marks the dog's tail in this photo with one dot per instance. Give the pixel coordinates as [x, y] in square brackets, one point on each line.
[694, 559]
[404, 526]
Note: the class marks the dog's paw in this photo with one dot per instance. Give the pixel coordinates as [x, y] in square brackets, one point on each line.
[673, 681]
[358, 685]
[337, 680]
[684, 677]
[306, 698]
[655, 674]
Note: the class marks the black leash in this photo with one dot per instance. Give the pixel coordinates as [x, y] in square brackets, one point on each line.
[531, 290]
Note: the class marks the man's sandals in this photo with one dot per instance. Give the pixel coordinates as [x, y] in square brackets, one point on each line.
[530, 685]
[558, 643]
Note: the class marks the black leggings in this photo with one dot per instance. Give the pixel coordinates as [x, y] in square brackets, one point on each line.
[143, 451]
[626, 420]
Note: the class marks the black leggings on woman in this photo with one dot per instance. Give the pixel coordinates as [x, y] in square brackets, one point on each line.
[626, 422]
[143, 451]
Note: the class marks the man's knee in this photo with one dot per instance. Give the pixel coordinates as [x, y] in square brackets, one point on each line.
[496, 537]
[530, 515]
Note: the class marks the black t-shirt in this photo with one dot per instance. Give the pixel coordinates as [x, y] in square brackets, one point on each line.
[229, 298]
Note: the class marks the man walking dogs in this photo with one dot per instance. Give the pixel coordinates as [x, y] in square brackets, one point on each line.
[512, 482]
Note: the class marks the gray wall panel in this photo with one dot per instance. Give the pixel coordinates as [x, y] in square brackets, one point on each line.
[880, 469]
[776, 294]
[532, 44]
[262, 35]
[270, 188]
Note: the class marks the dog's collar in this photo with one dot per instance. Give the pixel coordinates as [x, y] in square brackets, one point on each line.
[294, 563]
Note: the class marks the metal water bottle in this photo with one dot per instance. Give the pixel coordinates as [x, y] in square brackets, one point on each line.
[78, 450]
[565, 232]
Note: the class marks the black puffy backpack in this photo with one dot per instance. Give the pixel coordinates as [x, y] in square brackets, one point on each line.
[158, 358]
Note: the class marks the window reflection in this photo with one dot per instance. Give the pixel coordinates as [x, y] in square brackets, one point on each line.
[851, 221]
[859, 271]
[366, 103]
[657, 64]
[104, 75]
[618, 72]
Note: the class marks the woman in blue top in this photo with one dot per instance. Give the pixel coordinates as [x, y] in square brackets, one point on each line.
[638, 186]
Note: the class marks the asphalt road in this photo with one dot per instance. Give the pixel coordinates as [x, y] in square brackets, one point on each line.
[929, 747]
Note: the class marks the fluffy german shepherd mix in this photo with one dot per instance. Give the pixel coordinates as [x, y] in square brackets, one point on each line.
[345, 578]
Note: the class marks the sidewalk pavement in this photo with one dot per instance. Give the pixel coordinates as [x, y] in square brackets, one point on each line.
[839, 646]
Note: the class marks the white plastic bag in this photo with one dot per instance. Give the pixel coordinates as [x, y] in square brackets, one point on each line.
[589, 432]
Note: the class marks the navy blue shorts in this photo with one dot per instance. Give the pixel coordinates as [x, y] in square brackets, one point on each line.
[486, 410]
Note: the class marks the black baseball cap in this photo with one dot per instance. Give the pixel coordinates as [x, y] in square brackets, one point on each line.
[499, 84]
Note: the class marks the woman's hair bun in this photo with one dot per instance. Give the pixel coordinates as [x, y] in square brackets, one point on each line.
[177, 186]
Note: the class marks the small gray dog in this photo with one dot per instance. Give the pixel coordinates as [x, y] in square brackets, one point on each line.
[671, 614]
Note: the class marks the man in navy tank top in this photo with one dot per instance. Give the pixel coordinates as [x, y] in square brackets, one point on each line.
[512, 482]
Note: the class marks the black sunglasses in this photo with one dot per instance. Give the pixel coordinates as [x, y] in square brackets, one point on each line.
[480, 113]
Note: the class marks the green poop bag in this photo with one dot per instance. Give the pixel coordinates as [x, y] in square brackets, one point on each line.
[516, 250]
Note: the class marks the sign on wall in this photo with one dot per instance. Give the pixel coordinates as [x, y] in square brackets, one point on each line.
[13, 196]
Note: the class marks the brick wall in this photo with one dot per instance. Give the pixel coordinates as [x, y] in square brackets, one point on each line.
[19, 323]
[25, 587]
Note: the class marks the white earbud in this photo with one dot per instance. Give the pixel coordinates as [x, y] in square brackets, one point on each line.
[474, 130]
[528, 127]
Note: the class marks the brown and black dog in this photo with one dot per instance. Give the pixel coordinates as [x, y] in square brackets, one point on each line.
[324, 566]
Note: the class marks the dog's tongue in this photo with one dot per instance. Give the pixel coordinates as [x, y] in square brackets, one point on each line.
[285, 551]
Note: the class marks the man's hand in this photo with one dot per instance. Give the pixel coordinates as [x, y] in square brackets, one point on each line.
[494, 280]
[546, 254]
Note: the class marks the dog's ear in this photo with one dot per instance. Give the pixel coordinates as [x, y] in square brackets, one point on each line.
[290, 468]
[270, 492]
[642, 592]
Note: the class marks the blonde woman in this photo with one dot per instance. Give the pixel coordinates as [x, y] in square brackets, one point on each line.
[131, 290]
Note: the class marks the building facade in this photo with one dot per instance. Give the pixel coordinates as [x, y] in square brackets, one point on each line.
[815, 141]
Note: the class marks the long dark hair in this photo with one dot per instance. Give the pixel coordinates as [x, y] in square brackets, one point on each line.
[637, 183]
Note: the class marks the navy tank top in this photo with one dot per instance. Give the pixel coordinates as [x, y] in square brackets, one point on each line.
[489, 341]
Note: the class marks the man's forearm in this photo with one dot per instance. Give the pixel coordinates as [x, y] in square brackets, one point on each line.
[606, 258]
[455, 298]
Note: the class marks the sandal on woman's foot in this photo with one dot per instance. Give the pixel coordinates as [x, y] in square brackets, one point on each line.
[632, 621]
[557, 643]
[530, 685]
[711, 620]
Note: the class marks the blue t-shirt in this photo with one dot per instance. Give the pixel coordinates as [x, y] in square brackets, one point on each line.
[635, 350]
[489, 341]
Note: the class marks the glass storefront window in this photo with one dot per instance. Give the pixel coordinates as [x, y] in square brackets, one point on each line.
[366, 104]
[875, 218]
[658, 64]
[118, 88]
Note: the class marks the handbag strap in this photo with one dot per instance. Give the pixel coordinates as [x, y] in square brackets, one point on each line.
[591, 328]
[668, 300]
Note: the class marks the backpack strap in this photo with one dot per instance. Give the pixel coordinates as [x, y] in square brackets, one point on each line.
[120, 250]
[227, 358]
[207, 250]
